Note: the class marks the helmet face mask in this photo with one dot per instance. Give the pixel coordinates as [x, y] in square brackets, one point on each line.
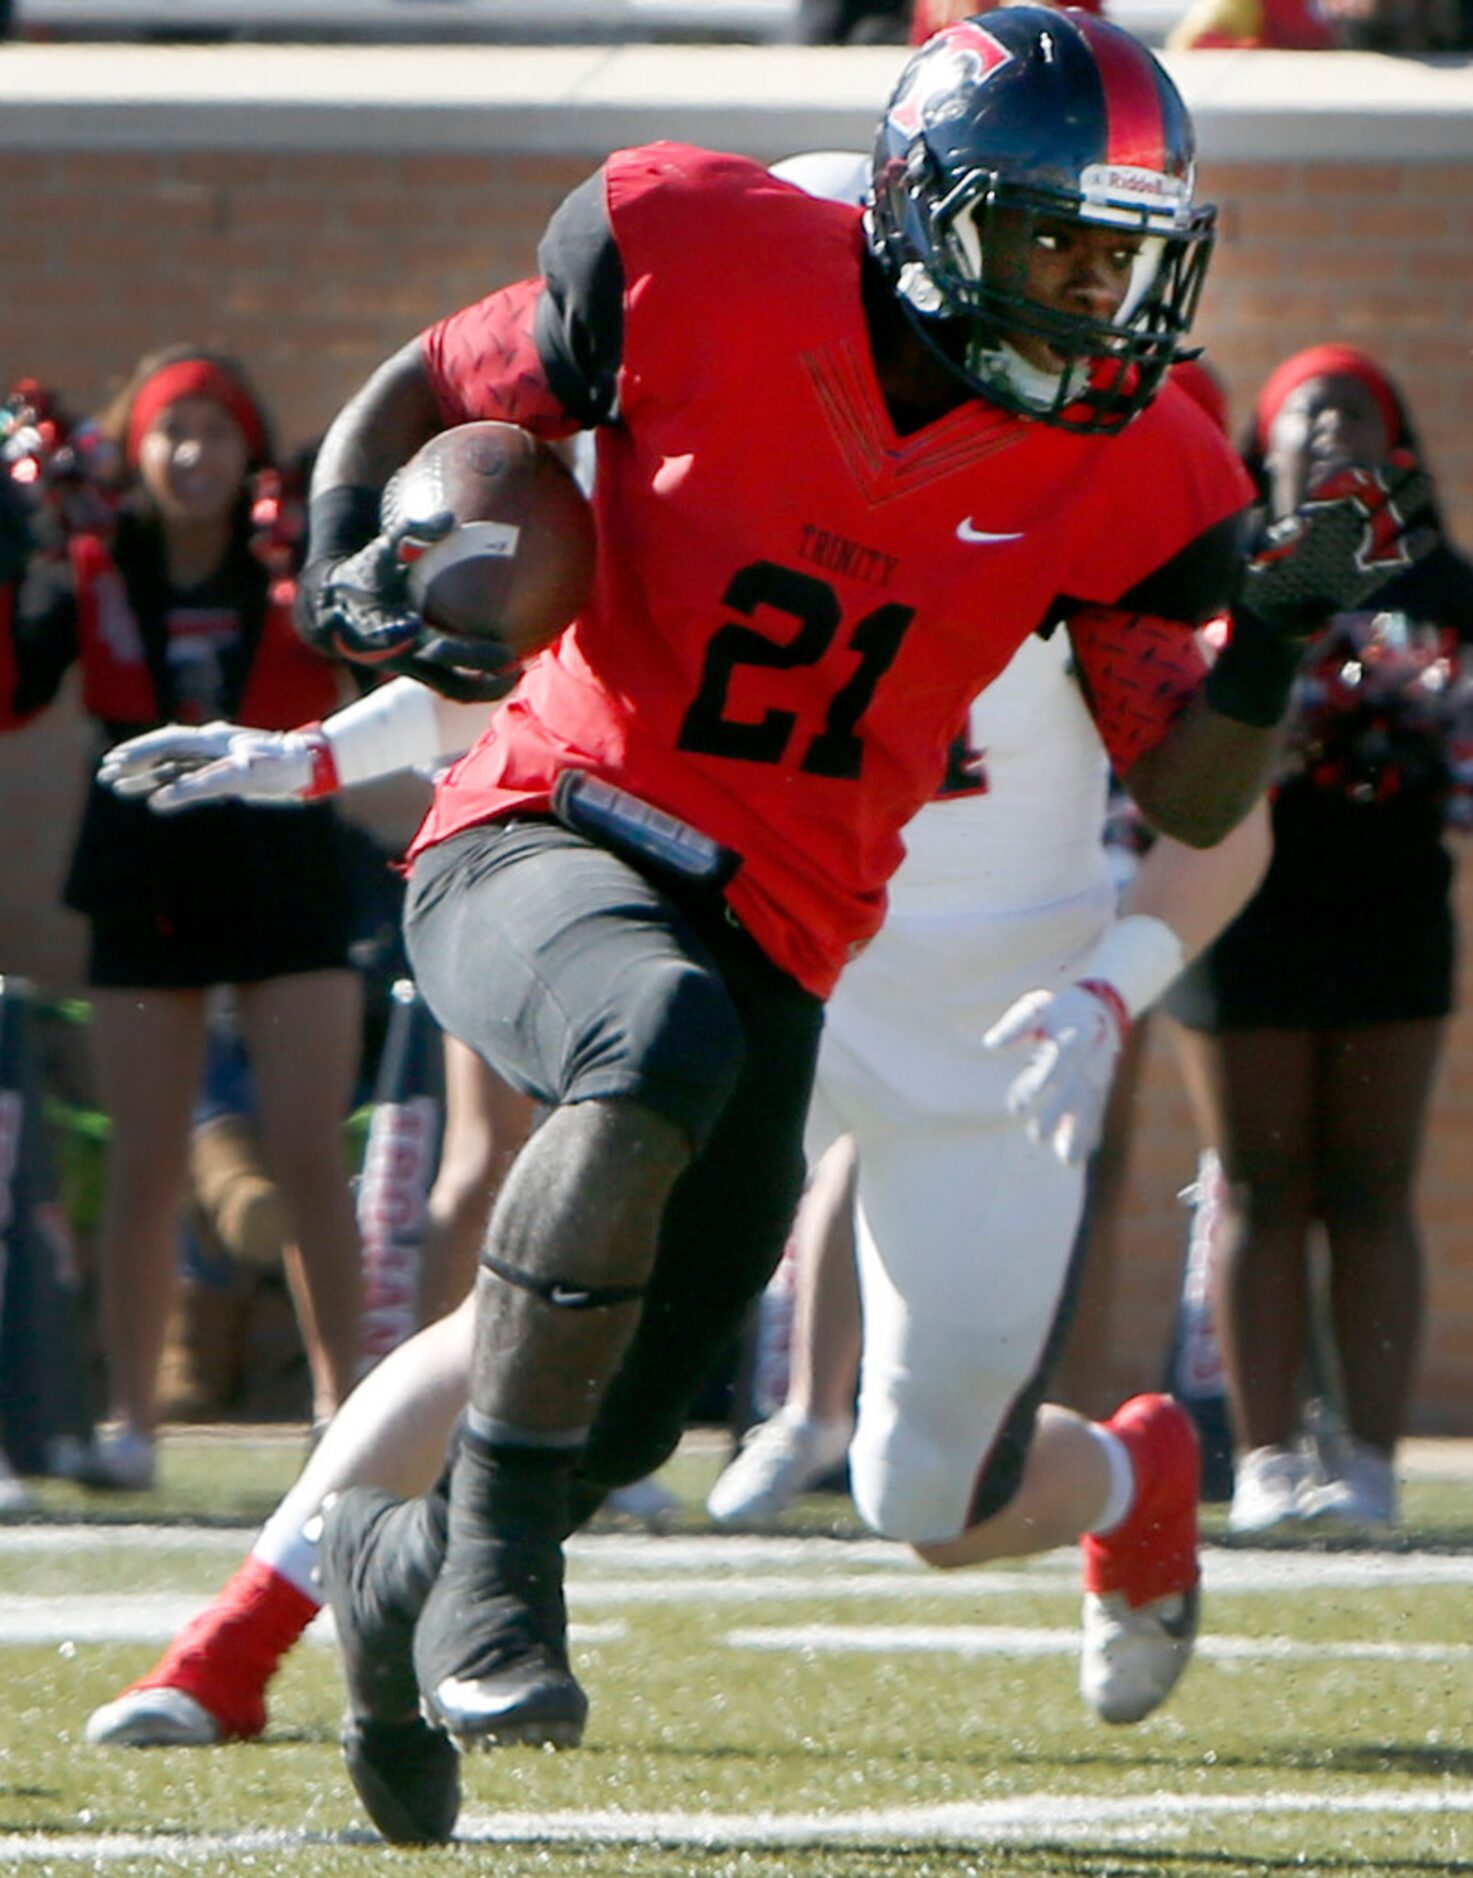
[1002, 136]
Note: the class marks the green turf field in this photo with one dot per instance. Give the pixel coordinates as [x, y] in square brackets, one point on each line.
[809, 1705]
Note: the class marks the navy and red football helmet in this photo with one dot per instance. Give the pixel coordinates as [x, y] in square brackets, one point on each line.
[1044, 115]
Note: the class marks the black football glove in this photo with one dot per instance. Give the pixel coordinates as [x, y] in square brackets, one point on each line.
[467, 671]
[359, 608]
[1355, 531]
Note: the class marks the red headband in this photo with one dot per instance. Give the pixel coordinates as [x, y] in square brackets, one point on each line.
[194, 378]
[1328, 361]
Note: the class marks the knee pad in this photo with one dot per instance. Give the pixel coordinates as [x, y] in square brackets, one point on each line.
[929, 1420]
[907, 1486]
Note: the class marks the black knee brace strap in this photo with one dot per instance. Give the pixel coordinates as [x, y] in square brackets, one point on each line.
[565, 1293]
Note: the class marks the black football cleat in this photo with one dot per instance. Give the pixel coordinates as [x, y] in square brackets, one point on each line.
[377, 1557]
[407, 1775]
[496, 1674]
[490, 1648]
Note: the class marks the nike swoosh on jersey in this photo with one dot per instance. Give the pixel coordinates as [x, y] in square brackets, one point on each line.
[966, 532]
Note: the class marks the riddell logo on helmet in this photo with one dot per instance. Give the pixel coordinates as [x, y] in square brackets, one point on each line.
[1127, 182]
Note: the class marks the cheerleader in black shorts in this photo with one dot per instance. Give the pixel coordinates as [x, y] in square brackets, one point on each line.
[171, 615]
[1315, 1021]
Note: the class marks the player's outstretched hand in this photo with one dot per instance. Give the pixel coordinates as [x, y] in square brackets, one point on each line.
[1355, 531]
[1073, 1039]
[183, 764]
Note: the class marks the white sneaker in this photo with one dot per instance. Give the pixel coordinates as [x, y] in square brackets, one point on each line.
[119, 1460]
[1362, 1492]
[779, 1460]
[1131, 1660]
[644, 1500]
[152, 1718]
[14, 1496]
[1268, 1489]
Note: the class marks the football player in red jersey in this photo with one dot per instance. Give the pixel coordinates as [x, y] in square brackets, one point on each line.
[846, 465]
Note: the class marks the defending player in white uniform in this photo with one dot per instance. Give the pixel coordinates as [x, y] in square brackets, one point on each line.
[1006, 903]
[965, 1221]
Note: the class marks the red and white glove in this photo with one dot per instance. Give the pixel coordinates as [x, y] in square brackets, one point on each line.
[1074, 1036]
[181, 765]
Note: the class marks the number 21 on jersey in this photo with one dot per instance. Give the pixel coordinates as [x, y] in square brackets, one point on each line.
[837, 750]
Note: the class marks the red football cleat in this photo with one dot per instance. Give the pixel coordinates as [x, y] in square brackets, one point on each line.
[1141, 1578]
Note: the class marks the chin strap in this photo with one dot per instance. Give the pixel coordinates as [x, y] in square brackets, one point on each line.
[1004, 365]
[565, 1294]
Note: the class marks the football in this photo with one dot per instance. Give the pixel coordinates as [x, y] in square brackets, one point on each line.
[517, 566]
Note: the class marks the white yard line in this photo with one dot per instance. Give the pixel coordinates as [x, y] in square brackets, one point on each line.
[737, 1566]
[1038, 1640]
[158, 1616]
[1022, 1818]
[1273, 1573]
[19, 1540]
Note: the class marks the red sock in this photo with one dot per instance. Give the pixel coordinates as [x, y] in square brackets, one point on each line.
[1153, 1551]
[227, 1655]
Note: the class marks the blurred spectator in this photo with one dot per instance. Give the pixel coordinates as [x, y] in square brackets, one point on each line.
[179, 606]
[1284, 25]
[1315, 1022]
[1402, 25]
[14, 1497]
[851, 22]
[929, 16]
[1409, 26]
[235, 1339]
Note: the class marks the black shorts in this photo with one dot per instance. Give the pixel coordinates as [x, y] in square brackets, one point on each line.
[578, 977]
[221, 895]
[1352, 925]
[1279, 968]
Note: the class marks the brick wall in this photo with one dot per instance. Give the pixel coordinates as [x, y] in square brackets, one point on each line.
[313, 263]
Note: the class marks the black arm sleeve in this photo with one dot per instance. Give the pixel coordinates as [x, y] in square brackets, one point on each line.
[580, 315]
[1199, 582]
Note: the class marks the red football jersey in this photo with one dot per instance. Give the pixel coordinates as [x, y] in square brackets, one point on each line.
[794, 605]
